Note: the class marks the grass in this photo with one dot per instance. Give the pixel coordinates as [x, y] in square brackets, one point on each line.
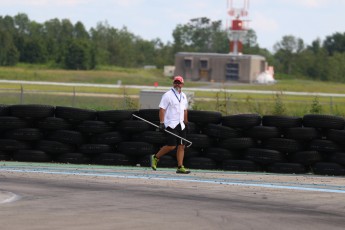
[102, 76]
[120, 98]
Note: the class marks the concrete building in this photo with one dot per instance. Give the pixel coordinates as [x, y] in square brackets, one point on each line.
[217, 67]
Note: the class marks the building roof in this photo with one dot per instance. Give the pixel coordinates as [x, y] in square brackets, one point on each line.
[244, 56]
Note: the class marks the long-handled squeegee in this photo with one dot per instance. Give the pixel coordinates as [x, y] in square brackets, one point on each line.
[190, 143]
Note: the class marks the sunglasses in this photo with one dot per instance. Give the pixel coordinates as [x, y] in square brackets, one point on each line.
[178, 83]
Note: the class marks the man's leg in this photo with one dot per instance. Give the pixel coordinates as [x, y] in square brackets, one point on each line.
[155, 158]
[180, 155]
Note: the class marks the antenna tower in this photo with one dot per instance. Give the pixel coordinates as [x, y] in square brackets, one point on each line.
[239, 25]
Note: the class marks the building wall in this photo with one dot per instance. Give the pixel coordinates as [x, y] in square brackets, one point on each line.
[219, 67]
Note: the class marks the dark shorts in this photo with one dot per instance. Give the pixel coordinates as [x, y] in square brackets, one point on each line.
[172, 140]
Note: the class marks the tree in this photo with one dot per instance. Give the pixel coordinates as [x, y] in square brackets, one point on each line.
[313, 62]
[78, 55]
[9, 55]
[100, 38]
[34, 51]
[80, 31]
[315, 46]
[165, 54]
[200, 35]
[286, 52]
[51, 36]
[336, 67]
[22, 23]
[250, 39]
[146, 52]
[335, 43]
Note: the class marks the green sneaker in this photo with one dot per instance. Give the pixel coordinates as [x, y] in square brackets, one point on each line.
[182, 170]
[154, 161]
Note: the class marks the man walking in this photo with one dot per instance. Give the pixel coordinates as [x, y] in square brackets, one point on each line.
[173, 116]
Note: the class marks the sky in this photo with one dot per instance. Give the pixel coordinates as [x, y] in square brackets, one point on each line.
[151, 19]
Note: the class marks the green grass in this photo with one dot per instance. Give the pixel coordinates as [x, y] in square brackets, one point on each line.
[110, 76]
[128, 97]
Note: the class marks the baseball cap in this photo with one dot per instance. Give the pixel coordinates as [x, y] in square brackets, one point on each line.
[179, 78]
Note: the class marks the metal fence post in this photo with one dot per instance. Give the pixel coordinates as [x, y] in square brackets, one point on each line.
[74, 95]
[21, 94]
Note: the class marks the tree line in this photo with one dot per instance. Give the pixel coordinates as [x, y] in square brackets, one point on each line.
[62, 44]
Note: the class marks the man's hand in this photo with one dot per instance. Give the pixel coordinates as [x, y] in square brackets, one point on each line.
[187, 127]
[161, 127]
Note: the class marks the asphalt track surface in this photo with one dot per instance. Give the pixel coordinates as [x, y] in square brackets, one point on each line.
[62, 196]
[210, 87]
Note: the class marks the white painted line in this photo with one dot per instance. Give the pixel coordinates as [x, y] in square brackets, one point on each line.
[13, 197]
[271, 92]
[198, 180]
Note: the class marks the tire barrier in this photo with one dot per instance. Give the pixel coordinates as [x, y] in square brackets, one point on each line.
[313, 143]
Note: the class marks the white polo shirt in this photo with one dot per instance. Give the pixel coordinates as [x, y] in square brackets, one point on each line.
[175, 104]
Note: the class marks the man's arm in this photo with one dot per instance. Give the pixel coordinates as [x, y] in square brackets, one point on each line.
[161, 115]
[185, 119]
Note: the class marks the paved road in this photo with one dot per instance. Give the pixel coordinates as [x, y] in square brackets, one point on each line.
[58, 196]
[211, 87]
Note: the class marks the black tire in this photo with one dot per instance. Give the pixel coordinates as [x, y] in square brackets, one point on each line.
[302, 134]
[107, 138]
[324, 146]
[189, 152]
[167, 162]
[94, 127]
[11, 145]
[53, 123]
[281, 121]
[67, 137]
[306, 158]
[193, 128]
[133, 126]
[112, 159]
[323, 121]
[31, 156]
[294, 168]
[242, 121]
[337, 136]
[221, 132]
[219, 154]
[4, 156]
[32, 111]
[4, 110]
[200, 163]
[95, 149]
[54, 147]
[338, 157]
[238, 143]
[115, 115]
[204, 117]
[263, 132]
[241, 165]
[25, 134]
[75, 114]
[283, 145]
[73, 158]
[153, 137]
[264, 156]
[199, 140]
[328, 168]
[8, 123]
[131, 148]
[151, 115]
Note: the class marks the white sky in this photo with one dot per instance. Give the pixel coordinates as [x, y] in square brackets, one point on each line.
[150, 19]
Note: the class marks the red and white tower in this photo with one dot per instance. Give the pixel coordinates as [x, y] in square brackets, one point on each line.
[239, 25]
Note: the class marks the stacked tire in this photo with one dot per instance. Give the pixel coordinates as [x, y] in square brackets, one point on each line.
[313, 143]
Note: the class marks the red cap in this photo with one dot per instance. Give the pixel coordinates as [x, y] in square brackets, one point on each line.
[179, 78]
